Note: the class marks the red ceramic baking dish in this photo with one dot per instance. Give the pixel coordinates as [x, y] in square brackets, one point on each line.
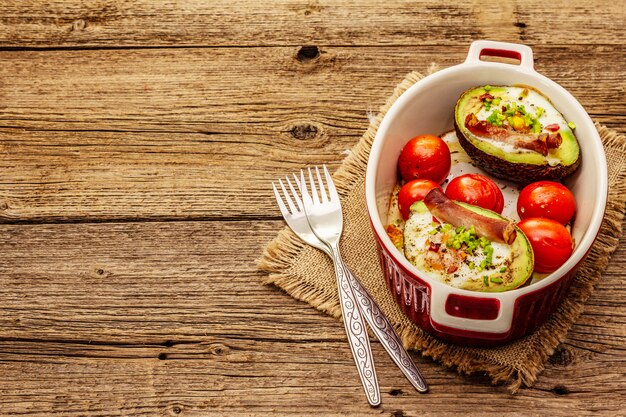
[461, 316]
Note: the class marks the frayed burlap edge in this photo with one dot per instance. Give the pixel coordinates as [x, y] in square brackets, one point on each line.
[279, 254]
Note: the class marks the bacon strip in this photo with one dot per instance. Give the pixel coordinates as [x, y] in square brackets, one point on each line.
[554, 140]
[540, 142]
[448, 211]
[485, 96]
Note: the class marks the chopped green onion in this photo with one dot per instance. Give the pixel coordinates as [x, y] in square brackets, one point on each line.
[496, 118]
[487, 87]
[503, 269]
[528, 120]
[510, 120]
[571, 125]
[537, 128]
[471, 265]
[540, 111]
[511, 109]
[471, 247]
[496, 280]
[486, 280]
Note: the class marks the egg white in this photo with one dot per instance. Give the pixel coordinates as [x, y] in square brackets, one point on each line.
[416, 249]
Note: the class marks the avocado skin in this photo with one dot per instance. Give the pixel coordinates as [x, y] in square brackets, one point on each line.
[517, 172]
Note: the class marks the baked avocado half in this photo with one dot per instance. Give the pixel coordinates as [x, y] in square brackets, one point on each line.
[458, 257]
[515, 133]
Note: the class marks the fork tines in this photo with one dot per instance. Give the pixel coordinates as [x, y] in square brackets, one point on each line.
[327, 191]
[288, 197]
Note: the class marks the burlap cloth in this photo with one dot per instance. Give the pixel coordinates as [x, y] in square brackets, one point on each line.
[308, 275]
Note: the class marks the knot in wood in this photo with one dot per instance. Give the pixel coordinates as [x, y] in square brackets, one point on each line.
[561, 356]
[78, 25]
[308, 53]
[312, 7]
[304, 131]
[176, 409]
[219, 349]
[395, 392]
[560, 390]
[4, 206]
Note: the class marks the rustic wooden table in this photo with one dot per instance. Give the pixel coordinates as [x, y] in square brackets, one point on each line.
[138, 141]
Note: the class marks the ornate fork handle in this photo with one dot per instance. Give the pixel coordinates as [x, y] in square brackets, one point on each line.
[356, 331]
[386, 334]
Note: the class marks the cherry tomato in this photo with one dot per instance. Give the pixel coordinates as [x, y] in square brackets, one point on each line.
[546, 199]
[550, 240]
[477, 190]
[411, 192]
[426, 157]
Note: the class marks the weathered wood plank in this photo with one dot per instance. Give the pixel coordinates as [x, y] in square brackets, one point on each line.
[253, 90]
[238, 377]
[145, 317]
[244, 22]
[176, 133]
[155, 280]
[49, 176]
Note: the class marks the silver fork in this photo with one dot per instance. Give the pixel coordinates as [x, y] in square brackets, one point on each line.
[297, 220]
[352, 318]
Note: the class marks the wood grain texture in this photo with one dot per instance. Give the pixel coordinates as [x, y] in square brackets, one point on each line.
[138, 140]
[176, 133]
[255, 90]
[181, 321]
[146, 23]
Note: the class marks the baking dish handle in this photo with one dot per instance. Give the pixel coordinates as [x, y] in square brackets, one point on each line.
[517, 51]
[463, 312]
